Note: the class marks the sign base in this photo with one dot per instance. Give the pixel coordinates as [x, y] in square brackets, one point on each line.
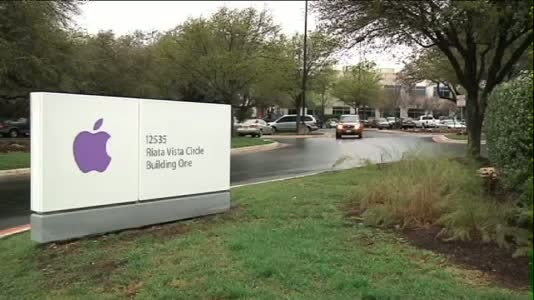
[59, 226]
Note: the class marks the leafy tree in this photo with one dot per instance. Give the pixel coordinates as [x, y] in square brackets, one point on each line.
[482, 40]
[33, 46]
[319, 59]
[359, 85]
[321, 86]
[224, 53]
[125, 66]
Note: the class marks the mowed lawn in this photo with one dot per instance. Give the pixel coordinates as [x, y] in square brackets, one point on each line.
[14, 160]
[239, 142]
[287, 239]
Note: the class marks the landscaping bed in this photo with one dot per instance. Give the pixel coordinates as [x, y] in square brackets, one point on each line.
[497, 262]
[287, 239]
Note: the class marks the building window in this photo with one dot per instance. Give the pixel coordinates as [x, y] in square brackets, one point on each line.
[444, 91]
[340, 110]
[415, 113]
[366, 112]
[420, 91]
[291, 111]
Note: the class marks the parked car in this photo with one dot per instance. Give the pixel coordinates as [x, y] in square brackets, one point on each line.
[382, 123]
[331, 123]
[289, 123]
[15, 128]
[349, 125]
[370, 122]
[451, 124]
[393, 122]
[407, 123]
[254, 127]
[426, 122]
[319, 122]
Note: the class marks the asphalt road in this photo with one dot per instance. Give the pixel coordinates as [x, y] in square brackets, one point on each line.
[302, 156]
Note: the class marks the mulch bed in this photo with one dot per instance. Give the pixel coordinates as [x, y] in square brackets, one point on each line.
[14, 145]
[489, 258]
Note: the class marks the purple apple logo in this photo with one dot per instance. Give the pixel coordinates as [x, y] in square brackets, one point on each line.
[90, 149]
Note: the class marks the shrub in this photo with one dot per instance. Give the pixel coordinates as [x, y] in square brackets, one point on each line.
[508, 128]
[438, 191]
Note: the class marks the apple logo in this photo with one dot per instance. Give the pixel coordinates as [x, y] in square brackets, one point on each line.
[90, 149]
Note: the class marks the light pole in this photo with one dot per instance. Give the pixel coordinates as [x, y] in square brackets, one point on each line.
[305, 52]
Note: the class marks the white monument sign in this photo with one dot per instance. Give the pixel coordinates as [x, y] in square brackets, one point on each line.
[95, 160]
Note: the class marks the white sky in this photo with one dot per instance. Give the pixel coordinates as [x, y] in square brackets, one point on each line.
[127, 16]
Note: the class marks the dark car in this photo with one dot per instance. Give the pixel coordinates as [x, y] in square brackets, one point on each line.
[394, 122]
[13, 129]
[407, 123]
[319, 122]
[368, 122]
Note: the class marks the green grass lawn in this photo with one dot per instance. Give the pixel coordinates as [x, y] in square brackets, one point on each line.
[286, 239]
[238, 142]
[14, 160]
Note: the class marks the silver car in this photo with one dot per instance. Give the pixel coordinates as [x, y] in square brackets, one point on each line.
[254, 127]
[289, 123]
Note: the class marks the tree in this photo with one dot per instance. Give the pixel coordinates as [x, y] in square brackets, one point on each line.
[122, 66]
[33, 46]
[359, 85]
[319, 59]
[321, 86]
[482, 40]
[224, 53]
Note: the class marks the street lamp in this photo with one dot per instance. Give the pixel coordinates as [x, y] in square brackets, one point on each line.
[304, 67]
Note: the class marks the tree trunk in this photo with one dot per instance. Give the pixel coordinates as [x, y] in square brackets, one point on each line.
[232, 129]
[300, 127]
[474, 118]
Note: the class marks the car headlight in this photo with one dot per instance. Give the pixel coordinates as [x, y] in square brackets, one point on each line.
[339, 126]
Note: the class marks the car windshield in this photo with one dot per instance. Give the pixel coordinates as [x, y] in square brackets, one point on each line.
[349, 119]
[251, 121]
[391, 118]
[382, 120]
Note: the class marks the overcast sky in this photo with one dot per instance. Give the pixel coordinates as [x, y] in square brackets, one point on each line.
[127, 16]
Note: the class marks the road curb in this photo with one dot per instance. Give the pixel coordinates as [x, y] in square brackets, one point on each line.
[427, 133]
[442, 139]
[14, 172]
[258, 148]
[14, 230]
[297, 136]
[278, 179]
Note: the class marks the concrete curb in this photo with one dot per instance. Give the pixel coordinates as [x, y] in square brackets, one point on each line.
[427, 133]
[442, 139]
[278, 179]
[258, 148]
[296, 136]
[14, 172]
[14, 230]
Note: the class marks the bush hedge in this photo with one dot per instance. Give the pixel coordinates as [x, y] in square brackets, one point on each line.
[508, 128]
